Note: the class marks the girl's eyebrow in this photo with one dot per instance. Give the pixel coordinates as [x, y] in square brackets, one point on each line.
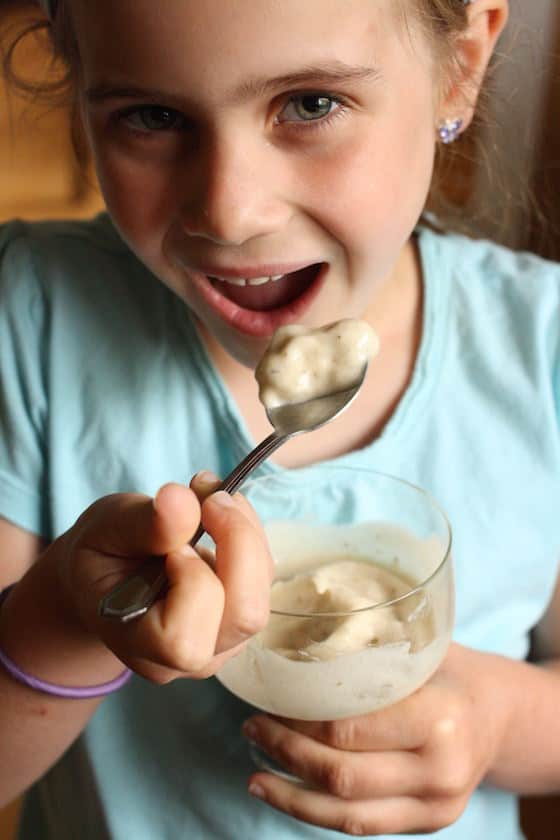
[332, 74]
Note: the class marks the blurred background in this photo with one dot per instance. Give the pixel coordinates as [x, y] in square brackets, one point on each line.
[39, 173]
[512, 186]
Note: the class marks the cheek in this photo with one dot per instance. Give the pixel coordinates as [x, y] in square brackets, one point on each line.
[139, 197]
[381, 189]
[374, 185]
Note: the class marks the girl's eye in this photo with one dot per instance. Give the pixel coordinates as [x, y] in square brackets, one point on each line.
[309, 107]
[154, 118]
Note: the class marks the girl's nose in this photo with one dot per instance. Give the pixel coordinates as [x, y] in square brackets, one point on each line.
[234, 195]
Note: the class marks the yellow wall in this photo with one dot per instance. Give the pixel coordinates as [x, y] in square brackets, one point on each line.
[8, 821]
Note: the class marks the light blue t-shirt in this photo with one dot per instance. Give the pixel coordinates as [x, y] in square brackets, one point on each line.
[106, 387]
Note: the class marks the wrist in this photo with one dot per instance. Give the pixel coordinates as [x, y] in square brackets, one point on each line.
[484, 680]
[500, 702]
[525, 758]
[42, 633]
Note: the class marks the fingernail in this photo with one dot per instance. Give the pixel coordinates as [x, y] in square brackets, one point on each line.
[220, 497]
[250, 730]
[256, 790]
[206, 477]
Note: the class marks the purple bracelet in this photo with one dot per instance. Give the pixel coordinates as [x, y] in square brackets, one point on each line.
[74, 693]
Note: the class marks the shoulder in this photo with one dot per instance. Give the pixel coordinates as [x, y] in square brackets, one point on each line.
[503, 321]
[510, 297]
[483, 267]
[33, 248]
[97, 233]
[75, 264]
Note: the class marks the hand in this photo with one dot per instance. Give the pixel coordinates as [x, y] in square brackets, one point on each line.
[211, 608]
[409, 768]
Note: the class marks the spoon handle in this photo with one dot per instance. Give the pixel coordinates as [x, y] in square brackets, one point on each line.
[133, 596]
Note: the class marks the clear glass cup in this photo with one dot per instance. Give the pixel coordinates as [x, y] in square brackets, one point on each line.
[319, 664]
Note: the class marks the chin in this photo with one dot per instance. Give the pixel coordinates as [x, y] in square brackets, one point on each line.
[247, 351]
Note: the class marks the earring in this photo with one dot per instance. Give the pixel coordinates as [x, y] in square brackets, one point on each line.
[450, 130]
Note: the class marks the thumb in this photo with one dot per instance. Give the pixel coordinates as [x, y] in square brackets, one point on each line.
[133, 525]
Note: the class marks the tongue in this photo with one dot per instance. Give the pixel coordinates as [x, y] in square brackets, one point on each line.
[271, 295]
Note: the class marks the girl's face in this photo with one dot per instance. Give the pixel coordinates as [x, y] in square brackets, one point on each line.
[242, 141]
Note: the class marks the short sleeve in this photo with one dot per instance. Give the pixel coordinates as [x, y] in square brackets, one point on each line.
[23, 403]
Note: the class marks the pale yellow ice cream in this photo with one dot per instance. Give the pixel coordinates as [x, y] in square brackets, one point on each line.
[327, 668]
[345, 586]
[302, 363]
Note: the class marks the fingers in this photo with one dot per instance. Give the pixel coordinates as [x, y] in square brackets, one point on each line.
[116, 532]
[383, 793]
[374, 775]
[242, 563]
[204, 483]
[406, 725]
[180, 631]
[208, 612]
[345, 775]
[395, 815]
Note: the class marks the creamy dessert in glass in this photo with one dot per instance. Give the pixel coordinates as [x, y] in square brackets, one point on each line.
[362, 603]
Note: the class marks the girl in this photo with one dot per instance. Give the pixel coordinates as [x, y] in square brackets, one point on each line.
[236, 141]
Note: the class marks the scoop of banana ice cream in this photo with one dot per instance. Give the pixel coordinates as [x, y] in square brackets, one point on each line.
[347, 586]
[302, 363]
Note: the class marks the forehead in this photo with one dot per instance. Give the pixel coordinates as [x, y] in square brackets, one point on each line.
[209, 41]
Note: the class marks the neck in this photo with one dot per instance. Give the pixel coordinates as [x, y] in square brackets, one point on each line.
[395, 309]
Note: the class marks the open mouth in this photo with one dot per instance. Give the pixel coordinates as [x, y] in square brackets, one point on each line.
[257, 306]
[264, 294]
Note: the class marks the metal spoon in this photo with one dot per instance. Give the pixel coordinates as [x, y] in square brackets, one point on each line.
[134, 596]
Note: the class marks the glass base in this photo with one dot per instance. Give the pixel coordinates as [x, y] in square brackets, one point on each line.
[268, 765]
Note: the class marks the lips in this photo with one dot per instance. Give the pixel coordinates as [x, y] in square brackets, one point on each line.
[263, 294]
[258, 308]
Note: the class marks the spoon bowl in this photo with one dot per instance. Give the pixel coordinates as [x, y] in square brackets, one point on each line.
[134, 596]
[292, 419]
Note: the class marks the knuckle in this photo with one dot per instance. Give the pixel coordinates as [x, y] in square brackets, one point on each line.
[353, 825]
[339, 780]
[445, 813]
[340, 734]
[446, 727]
[293, 808]
[186, 656]
[452, 777]
[161, 678]
[250, 621]
[152, 672]
[456, 783]
[204, 673]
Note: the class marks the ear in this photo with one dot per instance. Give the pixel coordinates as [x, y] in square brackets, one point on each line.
[473, 50]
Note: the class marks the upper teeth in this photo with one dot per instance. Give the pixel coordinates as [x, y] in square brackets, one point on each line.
[251, 281]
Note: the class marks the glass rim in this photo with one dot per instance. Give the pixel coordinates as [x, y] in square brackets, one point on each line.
[381, 604]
